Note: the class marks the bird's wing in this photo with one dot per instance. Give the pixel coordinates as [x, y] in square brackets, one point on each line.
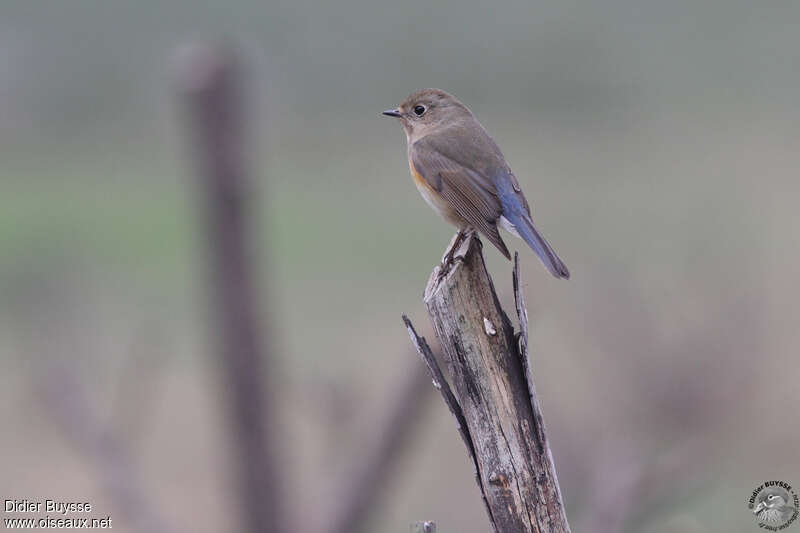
[468, 144]
[471, 193]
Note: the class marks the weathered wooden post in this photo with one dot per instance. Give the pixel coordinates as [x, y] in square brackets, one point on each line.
[495, 405]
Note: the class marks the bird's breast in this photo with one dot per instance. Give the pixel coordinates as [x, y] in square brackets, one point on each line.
[437, 202]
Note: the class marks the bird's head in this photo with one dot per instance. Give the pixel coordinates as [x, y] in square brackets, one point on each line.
[428, 109]
[771, 499]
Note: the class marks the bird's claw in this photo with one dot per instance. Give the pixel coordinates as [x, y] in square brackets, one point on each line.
[449, 255]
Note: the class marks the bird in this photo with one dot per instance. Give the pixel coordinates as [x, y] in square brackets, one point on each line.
[462, 174]
[773, 506]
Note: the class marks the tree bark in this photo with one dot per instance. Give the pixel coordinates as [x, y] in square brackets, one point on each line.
[497, 410]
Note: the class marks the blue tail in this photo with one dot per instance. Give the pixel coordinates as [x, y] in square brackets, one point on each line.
[517, 215]
[527, 231]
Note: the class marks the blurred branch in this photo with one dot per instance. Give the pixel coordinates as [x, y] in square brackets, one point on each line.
[443, 387]
[688, 404]
[361, 487]
[67, 405]
[503, 424]
[209, 81]
[139, 384]
[624, 483]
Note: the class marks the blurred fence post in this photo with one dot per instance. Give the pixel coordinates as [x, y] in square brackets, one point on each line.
[209, 83]
[497, 411]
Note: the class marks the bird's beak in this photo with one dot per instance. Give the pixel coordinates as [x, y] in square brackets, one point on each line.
[392, 113]
[760, 507]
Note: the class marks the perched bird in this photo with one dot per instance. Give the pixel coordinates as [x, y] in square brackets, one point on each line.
[773, 506]
[462, 174]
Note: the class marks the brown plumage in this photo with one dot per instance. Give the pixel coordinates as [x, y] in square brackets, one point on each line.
[462, 174]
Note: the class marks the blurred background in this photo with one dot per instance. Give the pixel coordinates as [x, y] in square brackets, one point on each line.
[658, 145]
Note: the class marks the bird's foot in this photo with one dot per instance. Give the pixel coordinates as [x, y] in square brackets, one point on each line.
[447, 258]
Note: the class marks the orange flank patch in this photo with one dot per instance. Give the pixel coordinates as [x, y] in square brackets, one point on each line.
[434, 199]
[418, 179]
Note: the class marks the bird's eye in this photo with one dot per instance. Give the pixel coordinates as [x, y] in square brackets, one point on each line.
[419, 110]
